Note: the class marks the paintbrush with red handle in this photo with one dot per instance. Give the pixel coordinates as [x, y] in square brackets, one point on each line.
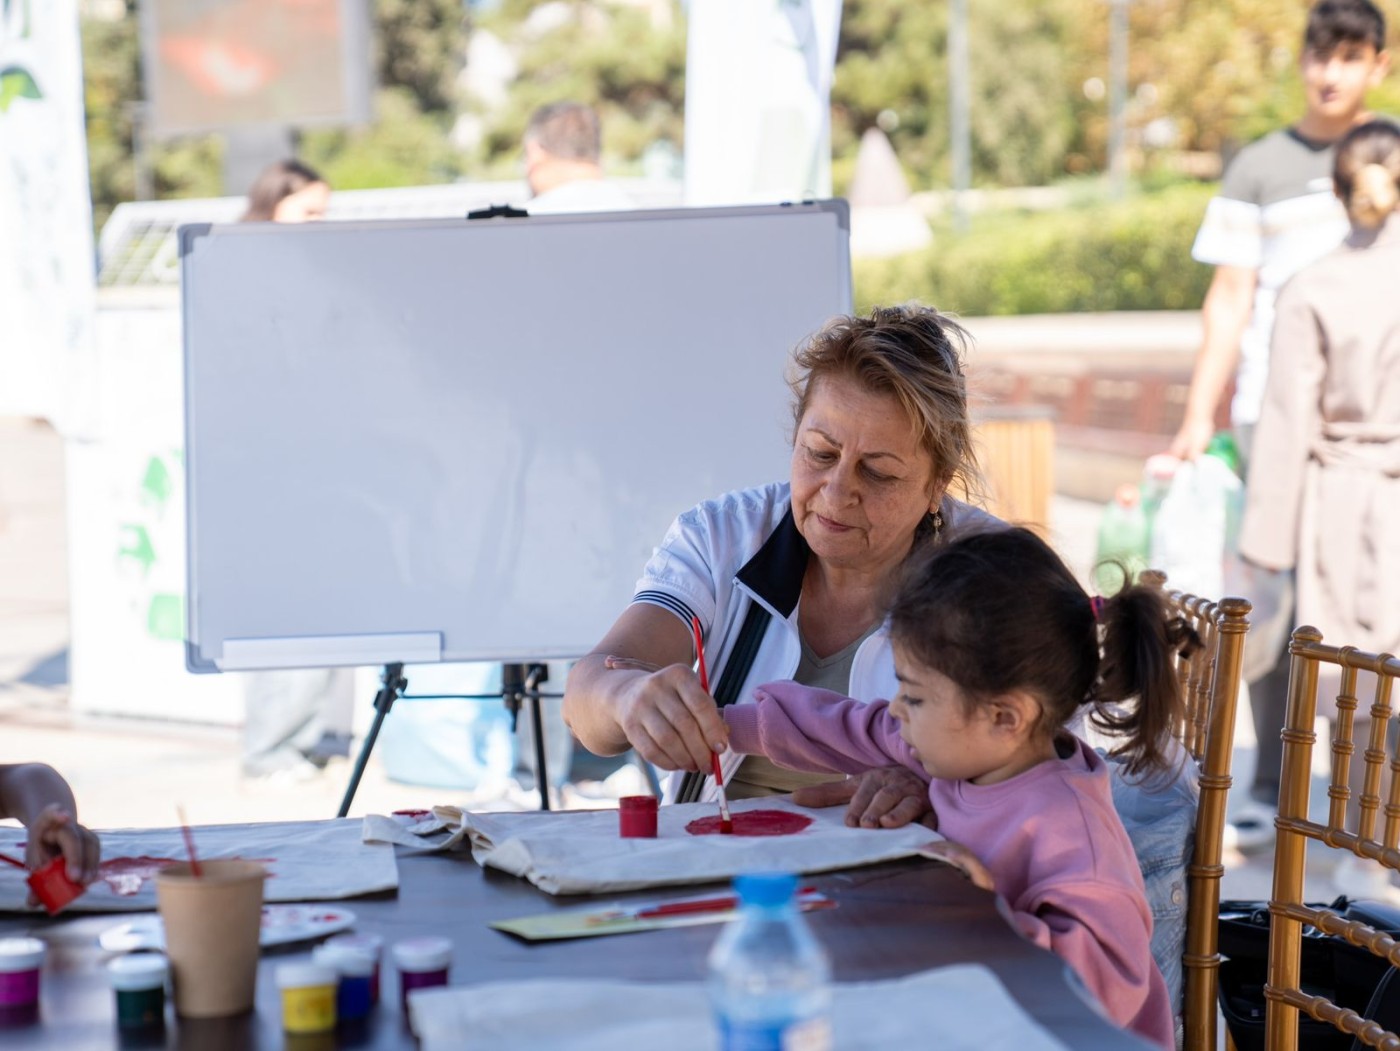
[726, 823]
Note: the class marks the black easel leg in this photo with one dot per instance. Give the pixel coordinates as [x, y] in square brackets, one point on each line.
[393, 683]
[541, 771]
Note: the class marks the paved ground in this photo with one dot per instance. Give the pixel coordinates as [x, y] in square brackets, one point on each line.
[131, 773]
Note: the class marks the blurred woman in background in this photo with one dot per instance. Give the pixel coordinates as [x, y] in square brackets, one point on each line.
[1324, 491]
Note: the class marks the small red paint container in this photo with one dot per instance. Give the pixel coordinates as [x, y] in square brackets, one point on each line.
[52, 886]
[636, 817]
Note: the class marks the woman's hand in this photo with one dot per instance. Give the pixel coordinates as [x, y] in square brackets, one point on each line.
[55, 833]
[891, 797]
[668, 718]
[964, 860]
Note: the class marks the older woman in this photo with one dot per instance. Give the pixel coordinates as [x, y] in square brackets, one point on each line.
[789, 580]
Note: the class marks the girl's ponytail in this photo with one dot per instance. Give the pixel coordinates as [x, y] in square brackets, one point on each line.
[1139, 643]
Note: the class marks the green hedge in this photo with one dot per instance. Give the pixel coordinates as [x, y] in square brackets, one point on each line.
[1133, 254]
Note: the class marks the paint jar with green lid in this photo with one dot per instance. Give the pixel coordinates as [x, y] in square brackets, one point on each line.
[139, 981]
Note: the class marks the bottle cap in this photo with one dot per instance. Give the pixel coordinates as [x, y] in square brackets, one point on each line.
[1126, 495]
[352, 961]
[422, 954]
[137, 971]
[370, 943]
[305, 975]
[765, 888]
[21, 954]
[1161, 467]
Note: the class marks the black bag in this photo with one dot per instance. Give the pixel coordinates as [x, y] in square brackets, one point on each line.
[1332, 967]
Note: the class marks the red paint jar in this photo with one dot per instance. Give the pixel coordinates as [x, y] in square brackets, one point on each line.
[51, 885]
[637, 817]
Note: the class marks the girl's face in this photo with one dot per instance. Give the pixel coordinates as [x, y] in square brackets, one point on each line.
[986, 743]
[861, 482]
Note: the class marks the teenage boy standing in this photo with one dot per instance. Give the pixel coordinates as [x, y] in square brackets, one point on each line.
[1275, 214]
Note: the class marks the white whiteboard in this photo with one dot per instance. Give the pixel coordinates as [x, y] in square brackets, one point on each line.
[453, 440]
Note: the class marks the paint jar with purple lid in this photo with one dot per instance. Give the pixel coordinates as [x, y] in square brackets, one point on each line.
[354, 967]
[368, 943]
[636, 817]
[21, 960]
[422, 964]
[139, 980]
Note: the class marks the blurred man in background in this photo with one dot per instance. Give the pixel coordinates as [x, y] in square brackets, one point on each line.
[563, 162]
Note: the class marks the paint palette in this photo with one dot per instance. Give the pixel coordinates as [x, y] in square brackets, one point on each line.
[281, 925]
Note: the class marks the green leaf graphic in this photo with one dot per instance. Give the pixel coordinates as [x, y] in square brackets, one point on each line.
[136, 545]
[157, 484]
[16, 83]
[165, 617]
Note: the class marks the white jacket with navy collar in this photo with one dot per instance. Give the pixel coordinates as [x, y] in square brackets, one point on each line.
[743, 547]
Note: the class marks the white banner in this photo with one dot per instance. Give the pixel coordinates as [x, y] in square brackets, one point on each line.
[758, 100]
[46, 255]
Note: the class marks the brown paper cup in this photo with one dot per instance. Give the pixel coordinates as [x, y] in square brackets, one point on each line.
[212, 925]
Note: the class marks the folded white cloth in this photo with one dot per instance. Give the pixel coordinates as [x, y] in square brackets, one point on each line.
[958, 1008]
[581, 852]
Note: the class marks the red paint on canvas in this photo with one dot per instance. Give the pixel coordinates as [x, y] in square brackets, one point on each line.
[127, 875]
[752, 823]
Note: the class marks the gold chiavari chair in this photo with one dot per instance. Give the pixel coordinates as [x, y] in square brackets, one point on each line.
[1283, 991]
[1210, 685]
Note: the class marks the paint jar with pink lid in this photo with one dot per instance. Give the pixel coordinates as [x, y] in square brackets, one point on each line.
[422, 964]
[21, 961]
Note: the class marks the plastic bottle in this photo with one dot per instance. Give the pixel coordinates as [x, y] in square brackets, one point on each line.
[770, 980]
[1224, 448]
[1157, 474]
[1124, 537]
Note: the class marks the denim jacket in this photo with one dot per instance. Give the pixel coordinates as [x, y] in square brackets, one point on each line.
[1160, 816]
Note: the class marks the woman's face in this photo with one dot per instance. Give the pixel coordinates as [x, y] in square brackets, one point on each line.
[306, 205]
[861, 482]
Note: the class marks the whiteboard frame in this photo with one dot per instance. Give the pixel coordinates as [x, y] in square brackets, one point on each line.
[408, 644]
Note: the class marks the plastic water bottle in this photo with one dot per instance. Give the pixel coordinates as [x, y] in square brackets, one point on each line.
[1124, 537]
[770, 980]
[1224, 447]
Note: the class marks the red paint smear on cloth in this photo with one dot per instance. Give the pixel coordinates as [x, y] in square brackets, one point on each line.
[126, 875]
[752, 823]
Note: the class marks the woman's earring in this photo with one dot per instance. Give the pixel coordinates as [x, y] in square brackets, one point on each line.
[937, 518]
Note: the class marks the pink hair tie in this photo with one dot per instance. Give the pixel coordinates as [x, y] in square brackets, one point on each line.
[1096, 604]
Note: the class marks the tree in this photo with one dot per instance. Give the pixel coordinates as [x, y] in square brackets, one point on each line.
[615, 58]
[419, 46]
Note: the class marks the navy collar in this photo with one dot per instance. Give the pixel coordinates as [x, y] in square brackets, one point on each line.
[775, 572]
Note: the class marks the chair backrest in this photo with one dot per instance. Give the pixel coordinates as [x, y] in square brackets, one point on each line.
[1283, 993]
[1210, 686]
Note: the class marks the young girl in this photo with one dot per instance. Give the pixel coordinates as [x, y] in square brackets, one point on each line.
[996, 649]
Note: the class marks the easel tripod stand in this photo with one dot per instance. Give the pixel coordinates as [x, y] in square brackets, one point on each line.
[519, 683]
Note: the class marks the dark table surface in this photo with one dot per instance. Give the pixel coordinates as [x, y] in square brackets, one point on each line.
[891, 920]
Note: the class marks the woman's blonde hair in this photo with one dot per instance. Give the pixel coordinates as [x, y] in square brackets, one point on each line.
[1366, 173]
[913, 353]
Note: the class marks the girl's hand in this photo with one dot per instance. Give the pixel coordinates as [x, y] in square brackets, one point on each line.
[963, 860]
[56, 833]
[891, 797]
[668, 718]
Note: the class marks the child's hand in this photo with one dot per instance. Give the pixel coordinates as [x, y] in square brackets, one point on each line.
[891, 797]
[963, 860]
[55, 832]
